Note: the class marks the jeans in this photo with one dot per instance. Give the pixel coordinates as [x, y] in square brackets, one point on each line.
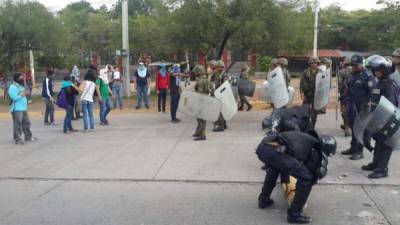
[21, 124]
[174, 105]
[142, 95]
[69, 114]
[29, 86]
[87, 108]
[162, 97]
[117, 92]
[49, 112]
[105, 109]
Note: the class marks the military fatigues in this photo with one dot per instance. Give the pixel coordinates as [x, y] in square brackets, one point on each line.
[243, 100]
[382, 152]
[286, 75]
[307, 86]
[202, 86]
[343, 80]
[218, 80]
[359, 93]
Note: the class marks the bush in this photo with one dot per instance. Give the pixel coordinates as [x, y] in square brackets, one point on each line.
[264, 63]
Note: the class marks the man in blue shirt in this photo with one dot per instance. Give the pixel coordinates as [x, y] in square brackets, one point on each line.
[18, 109]
[360, 85]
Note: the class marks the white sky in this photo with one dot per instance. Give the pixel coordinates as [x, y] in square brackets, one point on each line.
[55, 5]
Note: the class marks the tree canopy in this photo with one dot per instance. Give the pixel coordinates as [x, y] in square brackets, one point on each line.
[161, 28]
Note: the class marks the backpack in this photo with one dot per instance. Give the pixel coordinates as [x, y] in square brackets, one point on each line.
[62, 100]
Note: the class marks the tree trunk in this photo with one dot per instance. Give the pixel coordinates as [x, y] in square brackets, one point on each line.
[223, 44]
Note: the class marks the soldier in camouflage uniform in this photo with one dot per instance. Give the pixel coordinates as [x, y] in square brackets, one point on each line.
[283, 63]
[307, 86]
[202, 86]
[243, 100]
[211, 67]
[343, 79]
[218, 78]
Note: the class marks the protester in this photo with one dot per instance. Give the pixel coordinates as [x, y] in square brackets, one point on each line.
[117, 88]
[162, 85]
[47, 95]
[75, 74]
[78, 104]
[142, 77]
[69, 90]
[104, 93]
[19, 110]
[29, 84]
[175, 90]
[87, 88]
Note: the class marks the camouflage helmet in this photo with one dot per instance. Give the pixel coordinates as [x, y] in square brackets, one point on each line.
[396, 53]
[220, 63]
[212, 63]
[245, 67]
[326, 61]
[274, 61]
[283, 61]
[313, 59]
[199, 70]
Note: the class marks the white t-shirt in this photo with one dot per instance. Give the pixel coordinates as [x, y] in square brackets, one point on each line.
[117, 75]
[88, 91]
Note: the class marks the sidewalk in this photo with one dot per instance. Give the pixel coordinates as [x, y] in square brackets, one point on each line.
[142, 169]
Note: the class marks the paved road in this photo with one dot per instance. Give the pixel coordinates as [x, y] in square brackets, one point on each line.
[144, 170]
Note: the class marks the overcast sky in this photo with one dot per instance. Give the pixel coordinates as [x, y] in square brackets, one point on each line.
[55, 5]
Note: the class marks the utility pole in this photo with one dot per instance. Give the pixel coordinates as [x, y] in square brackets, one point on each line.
[125, 47]
[316, 9]
[32, 65]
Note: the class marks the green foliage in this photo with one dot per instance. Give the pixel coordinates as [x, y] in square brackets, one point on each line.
[264, 63]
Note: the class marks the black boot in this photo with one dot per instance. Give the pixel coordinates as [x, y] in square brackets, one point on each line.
[348, 151]
[298, 218]
[264, 202]
[379, 174]
[357, 156]
[369, 167]
[295, 212]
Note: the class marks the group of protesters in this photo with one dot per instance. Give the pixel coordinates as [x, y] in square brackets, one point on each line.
[78, 95]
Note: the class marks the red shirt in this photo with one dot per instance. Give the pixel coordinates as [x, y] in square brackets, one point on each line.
[162, 82]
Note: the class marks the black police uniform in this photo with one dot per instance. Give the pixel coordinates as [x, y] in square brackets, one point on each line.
[382, 152]
[298, 156]
[359, 92]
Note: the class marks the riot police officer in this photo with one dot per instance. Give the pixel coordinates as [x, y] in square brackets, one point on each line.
[388, 88]
[283, 63]
[396, 67]
[218, 78]
[296, 118]
[202, 86]
[343, 78]
[243, 100]
[359, 92]
[301, 155]
[307, 86]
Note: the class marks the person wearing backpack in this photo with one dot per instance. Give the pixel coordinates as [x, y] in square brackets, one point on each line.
[88, 87]
[104, 93]
[47, 95]
[66, 100]
[19, 110]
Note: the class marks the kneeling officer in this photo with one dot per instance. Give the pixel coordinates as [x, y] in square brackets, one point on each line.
[301, 155]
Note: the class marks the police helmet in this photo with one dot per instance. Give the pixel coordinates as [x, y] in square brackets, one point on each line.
[313, 60]
[328, 144]
[377, 62]
[357, 60]
[396, 53]
[283, 61]
[220, 63]
[199, 70]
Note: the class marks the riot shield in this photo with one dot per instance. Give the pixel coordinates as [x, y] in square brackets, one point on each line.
[382, 124]
[265, 95]
[199, 105]
[229, 105]
[277, 88]
[291, 91]
[322, 90]
[246, 87]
